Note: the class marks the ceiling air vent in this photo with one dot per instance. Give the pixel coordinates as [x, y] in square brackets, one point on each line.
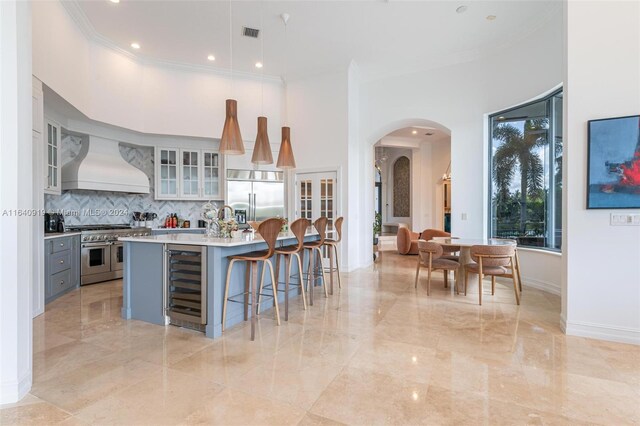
[250, 32]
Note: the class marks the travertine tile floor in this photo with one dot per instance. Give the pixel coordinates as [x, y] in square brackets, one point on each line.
[376, 352]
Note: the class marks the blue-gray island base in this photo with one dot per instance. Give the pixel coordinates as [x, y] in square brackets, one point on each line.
[143, 288]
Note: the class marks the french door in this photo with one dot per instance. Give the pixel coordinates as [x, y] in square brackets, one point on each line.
[316, 196]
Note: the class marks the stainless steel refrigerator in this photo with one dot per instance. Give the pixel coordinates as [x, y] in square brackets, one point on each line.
[260, 194]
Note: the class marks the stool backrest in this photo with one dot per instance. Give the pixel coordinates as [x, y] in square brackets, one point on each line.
[493, 255]
[269, 230]
[338, 226]
[321, 226]
[299, 228]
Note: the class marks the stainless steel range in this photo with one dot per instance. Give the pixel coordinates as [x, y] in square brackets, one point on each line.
[102, 256]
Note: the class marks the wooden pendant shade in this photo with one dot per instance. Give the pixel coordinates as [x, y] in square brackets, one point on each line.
[262, 148]
[285, 156]
[231, 142]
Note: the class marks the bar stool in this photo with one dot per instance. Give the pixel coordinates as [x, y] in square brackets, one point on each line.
[314, 247]
[269, 230]
[332, 246]
[298, 228]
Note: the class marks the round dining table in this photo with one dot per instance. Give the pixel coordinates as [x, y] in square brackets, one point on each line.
[465, 245]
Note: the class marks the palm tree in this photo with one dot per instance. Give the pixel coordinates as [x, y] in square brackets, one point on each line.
[518, 152]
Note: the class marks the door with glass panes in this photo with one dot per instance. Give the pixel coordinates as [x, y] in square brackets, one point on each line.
[316, 195]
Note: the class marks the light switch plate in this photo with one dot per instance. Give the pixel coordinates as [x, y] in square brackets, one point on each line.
[625, 219]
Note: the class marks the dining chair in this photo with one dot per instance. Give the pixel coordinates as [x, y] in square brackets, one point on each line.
[429, 256]
[450, 252]
[516, 258]
[495, 261]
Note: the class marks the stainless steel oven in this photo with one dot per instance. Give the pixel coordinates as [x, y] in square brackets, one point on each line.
[117, 256]
[95, 259]
[102, 255]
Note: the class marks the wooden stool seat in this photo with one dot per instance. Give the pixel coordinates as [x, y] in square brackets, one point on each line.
[254, 256]
[287, 250]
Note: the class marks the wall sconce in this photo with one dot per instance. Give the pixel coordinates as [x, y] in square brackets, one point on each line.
[447, 173]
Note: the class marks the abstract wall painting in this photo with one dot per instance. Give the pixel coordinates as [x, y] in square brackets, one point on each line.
[613, 169]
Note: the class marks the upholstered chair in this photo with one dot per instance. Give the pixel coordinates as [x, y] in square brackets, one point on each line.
[429, 256]
[494, 260]
[430, 234]
[407, 241]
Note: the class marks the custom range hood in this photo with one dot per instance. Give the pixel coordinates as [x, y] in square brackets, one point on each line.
[100, 167]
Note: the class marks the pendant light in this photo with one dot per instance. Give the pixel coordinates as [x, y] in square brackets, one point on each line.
[286, 159]
[231, 141]
[262, 148]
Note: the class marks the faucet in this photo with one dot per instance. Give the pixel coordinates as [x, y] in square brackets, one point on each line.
[223, 210]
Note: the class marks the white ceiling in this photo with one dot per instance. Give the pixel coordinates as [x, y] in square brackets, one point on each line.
[383, 37]
[422, 133]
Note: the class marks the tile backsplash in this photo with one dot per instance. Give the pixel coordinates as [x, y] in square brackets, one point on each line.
[92, 207]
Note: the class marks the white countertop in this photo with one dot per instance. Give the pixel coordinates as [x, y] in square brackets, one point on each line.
[203, 240]
[178, 229]
[60, 234]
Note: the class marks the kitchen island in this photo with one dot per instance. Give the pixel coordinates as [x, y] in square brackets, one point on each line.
[146, 275]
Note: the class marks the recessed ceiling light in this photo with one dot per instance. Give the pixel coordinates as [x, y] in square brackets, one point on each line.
[258, 64]
[135, 45]
[491, 17]
[414, 132]
[461, 9]
[211, 58]
[114, 1]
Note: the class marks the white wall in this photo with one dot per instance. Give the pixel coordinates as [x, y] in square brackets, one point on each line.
[114, 88]
[439, 161]
[602, 262]
[318, 118]
[16, 192]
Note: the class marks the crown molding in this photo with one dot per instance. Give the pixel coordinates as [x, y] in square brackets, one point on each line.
[78, 16]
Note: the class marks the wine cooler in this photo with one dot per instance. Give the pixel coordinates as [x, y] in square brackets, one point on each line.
[186, 286]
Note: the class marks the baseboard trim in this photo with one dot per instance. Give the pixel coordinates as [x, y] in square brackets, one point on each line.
[547, 286]
[14, 391]
[603, 332]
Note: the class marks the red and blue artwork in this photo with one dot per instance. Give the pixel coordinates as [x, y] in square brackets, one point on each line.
[614, 163]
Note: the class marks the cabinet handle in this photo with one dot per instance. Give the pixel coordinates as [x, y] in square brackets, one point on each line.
[62, 262]
[61, 244]
[61, 282]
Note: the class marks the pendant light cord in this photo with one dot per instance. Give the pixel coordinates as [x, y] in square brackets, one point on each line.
[284, 74]
[262, 59]
[231, 45]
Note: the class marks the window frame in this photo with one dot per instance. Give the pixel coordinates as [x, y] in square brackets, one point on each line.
[550, 201]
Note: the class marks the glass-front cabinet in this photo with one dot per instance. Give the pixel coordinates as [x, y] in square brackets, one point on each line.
[52, 155]
[166, 173]
[193, 174]
[212, 184]
[190, 182]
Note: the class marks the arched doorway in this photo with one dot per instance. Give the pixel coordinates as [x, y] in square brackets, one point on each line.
[410, 159]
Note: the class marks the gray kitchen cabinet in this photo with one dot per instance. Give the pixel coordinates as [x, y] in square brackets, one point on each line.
[62, 266]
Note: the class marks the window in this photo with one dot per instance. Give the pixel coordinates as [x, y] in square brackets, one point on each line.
[525, 146]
